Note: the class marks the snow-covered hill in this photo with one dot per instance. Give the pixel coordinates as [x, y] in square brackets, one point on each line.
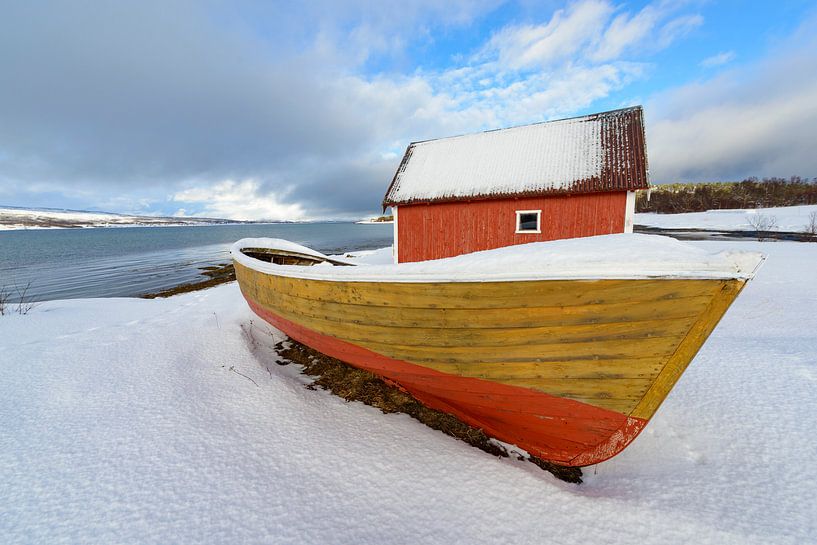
[50, 218]
[792, 219]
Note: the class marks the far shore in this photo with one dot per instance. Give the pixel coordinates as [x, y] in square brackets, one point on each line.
[14, 219]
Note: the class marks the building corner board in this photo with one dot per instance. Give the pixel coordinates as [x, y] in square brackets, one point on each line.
[395, 255]
[629, 212]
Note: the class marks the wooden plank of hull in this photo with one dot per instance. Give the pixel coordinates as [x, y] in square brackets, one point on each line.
[482, 295]
[616, 346]
[596, 369]
[492, 318]
[459, 336]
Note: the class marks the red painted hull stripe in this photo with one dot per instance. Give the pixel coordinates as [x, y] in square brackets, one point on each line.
[557, 429]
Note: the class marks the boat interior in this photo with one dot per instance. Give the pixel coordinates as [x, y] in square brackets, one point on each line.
[285, 257]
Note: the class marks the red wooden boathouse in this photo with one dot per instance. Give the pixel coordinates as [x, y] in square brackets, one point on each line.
[559, 179]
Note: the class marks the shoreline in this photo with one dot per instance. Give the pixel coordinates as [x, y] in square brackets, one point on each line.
[693, 233]
[223, 273]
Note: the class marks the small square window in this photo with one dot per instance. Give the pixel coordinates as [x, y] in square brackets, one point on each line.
[527, 221]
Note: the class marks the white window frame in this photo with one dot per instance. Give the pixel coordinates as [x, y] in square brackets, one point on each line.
[538, 222]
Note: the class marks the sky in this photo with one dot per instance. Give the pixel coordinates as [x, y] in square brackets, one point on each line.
[302, 111]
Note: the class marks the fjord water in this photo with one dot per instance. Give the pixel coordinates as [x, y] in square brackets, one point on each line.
[131, 261]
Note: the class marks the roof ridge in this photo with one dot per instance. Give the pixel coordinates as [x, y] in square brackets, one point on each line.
[587, 117]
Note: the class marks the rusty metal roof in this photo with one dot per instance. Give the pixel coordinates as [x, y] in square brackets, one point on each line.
[593, 153]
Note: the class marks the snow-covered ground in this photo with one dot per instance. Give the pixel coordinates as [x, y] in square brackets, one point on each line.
[121, 421]
[46, 218]
[793, 219]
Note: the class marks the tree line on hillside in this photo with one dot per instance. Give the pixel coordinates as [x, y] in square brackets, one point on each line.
[750, 193]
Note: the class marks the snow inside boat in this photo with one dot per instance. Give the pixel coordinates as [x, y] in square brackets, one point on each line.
[565, 349]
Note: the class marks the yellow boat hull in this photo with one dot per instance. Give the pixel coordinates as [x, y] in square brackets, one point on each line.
[570, 370]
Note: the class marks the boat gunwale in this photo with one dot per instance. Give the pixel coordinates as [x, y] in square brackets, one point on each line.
[325, 274]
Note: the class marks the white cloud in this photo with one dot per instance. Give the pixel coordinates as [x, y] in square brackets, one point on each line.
[594, 30]
[678, 28]
[626, 31]
[547, 94]
[568, 31]
[523, 73]
[534, 72]
[351, 32]
[239, 200]
[718, 59]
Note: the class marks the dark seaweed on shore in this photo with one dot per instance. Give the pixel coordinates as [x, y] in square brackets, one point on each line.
[354, 384]
[216, 274]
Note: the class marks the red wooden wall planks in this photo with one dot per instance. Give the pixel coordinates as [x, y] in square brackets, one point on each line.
[434, 231]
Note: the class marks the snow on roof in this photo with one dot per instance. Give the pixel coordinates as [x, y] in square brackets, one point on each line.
[619, 256]
[598, 152]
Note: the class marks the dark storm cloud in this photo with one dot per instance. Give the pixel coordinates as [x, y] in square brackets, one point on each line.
[103, 93]
[113, 96]
[348, 186]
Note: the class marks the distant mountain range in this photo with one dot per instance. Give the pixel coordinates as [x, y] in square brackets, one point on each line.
[12, 217]
[15, 217]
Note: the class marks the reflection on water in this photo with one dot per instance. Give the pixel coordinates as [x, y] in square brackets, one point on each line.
[125, 262]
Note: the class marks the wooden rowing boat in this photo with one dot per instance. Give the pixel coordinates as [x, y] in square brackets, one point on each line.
[569, 369]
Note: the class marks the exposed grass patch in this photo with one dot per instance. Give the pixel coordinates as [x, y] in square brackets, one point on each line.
[354, 384]
[21, 304]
